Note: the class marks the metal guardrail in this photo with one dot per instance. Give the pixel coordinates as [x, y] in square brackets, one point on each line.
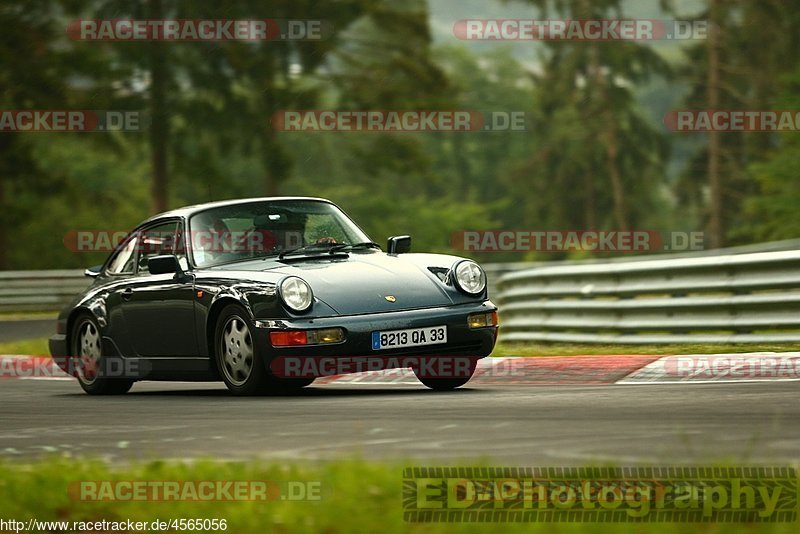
[45, 291]
[731, 298]
[495, 271]
[27, 291]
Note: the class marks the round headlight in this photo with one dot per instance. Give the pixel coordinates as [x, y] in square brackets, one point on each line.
[470, 278]
[296, 293]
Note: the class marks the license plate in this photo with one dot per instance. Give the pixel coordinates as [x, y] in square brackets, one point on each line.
[411, 337]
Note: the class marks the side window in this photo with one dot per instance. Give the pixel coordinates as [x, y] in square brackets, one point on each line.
[156, 241]
[123, 262]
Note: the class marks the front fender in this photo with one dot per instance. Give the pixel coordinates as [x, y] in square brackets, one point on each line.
[259, 299]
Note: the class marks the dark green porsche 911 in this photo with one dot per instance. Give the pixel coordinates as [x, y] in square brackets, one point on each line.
[270, 294]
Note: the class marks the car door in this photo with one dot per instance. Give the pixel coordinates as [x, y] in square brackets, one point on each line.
[158, 309]
[118, 276]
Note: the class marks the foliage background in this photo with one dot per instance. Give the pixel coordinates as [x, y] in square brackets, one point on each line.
[596, 154]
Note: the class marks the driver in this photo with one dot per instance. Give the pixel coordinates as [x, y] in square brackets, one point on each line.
[281, 231]
[212, 242]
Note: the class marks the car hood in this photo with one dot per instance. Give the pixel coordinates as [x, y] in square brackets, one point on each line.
[361, 282]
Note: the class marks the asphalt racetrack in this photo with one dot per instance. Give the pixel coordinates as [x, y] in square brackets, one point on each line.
[755, 423]
[26, 329]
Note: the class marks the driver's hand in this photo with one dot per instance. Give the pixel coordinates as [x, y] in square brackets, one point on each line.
[326, 241]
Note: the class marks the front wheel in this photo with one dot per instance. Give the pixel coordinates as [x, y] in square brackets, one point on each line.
[238, 360]
[288, 385]
[89, 364]
[446, 374]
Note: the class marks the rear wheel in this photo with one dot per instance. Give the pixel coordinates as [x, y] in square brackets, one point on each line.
[88, 360]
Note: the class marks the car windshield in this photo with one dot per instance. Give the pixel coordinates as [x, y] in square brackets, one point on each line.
[262, 229]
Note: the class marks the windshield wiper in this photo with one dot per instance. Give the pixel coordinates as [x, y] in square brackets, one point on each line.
[346, 246]
[329, 248]
[323, 246]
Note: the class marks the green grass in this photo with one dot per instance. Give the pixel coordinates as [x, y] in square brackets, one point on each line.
[356, 496]
[30, 347]
[570, 349]
[17, 315]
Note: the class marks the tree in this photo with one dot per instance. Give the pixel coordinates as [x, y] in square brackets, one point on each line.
[716, 228]
[751, 47]
[394, 181]
[772, 213]
[33, 80]
[595, 144]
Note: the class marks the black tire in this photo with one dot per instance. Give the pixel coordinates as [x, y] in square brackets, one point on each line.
[239, 362]
[288, 385]
[448, 383]
[88, 361]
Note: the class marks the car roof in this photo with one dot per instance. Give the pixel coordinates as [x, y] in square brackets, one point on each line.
[188, 211]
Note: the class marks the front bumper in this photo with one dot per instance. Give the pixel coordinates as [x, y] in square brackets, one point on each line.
[58, 350]
[461, 340]
[58, 345]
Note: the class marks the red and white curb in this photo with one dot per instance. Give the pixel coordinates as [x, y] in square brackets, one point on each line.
[546, 370]
[31, 368]
[717, 368]
[519, 371]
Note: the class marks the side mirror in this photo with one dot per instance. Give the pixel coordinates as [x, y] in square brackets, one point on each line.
[399, 244]
[93, 271]
[164, 265]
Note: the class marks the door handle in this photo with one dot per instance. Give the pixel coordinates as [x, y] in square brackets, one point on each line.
[127, 294]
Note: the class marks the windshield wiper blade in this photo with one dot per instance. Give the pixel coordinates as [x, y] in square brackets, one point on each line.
[329, 248]
[354, 246]
[323, 246]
